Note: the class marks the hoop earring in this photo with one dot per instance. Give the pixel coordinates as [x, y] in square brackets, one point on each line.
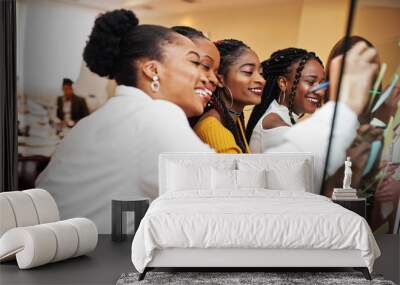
[230, 94]
[155, 84]
[280, 100]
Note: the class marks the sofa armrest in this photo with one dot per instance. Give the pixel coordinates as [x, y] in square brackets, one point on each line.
[37, 245]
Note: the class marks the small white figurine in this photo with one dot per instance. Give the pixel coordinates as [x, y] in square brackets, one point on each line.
[347, 174]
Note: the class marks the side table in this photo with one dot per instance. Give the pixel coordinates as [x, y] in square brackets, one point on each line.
[358, 206]
[137, 205]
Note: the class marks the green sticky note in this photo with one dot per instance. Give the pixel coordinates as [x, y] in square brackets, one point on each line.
[377, 84]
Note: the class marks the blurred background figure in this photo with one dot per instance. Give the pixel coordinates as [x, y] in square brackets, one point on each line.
[70, 107]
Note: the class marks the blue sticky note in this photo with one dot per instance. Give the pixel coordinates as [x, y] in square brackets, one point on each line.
[373, 155]
[386, 94]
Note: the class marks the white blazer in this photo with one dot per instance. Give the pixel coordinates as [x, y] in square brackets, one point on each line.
[114, 152]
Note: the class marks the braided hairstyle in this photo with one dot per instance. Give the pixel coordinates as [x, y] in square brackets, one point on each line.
[230, 50]
[279, 64]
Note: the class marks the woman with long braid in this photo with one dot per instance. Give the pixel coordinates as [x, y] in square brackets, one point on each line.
[241, 84]
[312, 135]
[157, 71]
[289, 74]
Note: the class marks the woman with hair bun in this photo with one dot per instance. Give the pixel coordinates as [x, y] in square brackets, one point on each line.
[114, 151]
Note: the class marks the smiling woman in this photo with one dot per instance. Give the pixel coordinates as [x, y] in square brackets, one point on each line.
[209, 60]
[290, 74]
[114, 151]
[241, 84]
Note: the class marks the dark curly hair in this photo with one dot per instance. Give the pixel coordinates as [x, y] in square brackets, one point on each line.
[117, 41]
[279, 64]
[189, 32]
[230, 50]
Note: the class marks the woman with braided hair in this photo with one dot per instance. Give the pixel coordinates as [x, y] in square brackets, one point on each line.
[289, 73]
[313, 135]
[115, 150]
[241, 84]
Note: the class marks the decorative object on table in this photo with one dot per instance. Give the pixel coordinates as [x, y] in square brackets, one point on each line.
[119, 206]
[31, 232]
[248, 278]
[347, 192]
[347, 174]
[344, 194]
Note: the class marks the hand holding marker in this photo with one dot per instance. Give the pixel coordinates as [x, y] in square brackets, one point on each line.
[376, 145]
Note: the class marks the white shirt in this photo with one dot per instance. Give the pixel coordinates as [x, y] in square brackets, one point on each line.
[114, 152]
[312, 135]
[263, 139]
[67, 109]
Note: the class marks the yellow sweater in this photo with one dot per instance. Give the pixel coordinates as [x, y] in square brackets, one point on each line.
[211, 131]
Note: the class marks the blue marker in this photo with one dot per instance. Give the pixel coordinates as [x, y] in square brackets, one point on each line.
[318, 87]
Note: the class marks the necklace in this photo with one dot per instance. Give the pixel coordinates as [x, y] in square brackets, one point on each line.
[234, 113]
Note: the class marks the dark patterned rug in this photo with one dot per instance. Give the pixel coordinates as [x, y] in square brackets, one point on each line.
[243, 278]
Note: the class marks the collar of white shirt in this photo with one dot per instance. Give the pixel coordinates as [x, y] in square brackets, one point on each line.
[123, 90]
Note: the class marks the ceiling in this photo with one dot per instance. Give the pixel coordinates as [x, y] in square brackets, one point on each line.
[151, 8]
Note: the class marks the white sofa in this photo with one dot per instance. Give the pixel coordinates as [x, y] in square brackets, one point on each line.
[31, 233]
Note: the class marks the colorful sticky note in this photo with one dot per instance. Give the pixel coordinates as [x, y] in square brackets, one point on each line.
[386, 94]
[377, 123]
[387, 138]
[373, 155]
[396, 120]
[377, 84]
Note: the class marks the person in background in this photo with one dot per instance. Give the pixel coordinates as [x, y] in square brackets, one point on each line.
[289, 73]
[241, 84]
[70, 107]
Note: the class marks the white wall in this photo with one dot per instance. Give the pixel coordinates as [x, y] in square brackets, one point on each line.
[54, 37]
